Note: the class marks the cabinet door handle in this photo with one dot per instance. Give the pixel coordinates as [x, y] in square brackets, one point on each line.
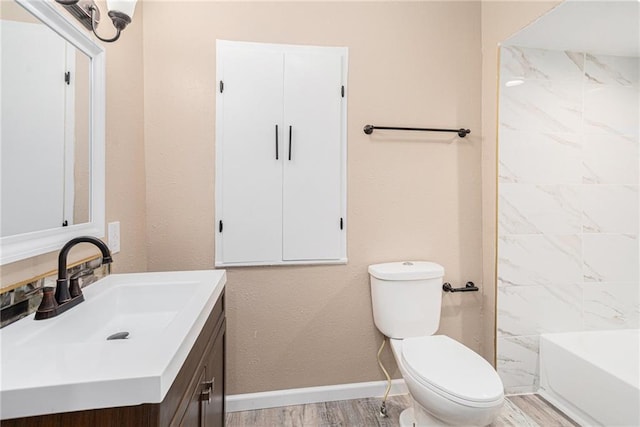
[290, 142]
[205, 396]
[208, 387]
[277, 142]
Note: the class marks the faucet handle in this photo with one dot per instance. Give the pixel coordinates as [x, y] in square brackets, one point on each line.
[74, 288]
[74, 282]
[48, 306]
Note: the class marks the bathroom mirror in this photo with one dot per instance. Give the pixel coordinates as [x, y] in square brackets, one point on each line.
[52, 94]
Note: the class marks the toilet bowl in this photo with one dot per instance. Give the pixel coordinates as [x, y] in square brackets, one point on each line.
[449, 383]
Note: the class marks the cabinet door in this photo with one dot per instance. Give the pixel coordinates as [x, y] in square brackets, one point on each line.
[214, 407]
[251, 175]
[193, 415]
[312, 186]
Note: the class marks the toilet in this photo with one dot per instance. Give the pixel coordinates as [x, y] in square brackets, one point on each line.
[449, 383]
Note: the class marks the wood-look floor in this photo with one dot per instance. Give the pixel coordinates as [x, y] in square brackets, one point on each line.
[518, 411]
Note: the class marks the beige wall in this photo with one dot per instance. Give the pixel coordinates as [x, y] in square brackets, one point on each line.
[125, 189]
[12, 11]
[500, 20]
[125, 167]
[409, 197]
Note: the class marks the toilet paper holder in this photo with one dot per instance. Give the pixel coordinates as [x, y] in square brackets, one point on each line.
[468, 287]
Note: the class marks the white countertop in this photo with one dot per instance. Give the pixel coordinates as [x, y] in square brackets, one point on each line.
[66, 364]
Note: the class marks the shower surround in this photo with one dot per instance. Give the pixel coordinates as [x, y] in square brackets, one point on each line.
[567, 201]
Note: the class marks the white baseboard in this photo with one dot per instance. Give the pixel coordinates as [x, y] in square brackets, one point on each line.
[300, 396]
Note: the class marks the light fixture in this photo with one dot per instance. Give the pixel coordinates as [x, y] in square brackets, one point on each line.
[86, 11]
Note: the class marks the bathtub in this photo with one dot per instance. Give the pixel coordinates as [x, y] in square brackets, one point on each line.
[594, 376]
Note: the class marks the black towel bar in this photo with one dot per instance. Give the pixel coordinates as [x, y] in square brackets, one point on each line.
[368, 129]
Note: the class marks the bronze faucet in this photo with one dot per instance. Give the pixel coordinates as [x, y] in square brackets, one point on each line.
[51, 304]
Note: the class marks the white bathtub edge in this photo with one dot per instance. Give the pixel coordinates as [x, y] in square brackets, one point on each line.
[568, 409]
[584, 387]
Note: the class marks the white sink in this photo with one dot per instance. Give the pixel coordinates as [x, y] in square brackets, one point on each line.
[138, 308]
[67, 364]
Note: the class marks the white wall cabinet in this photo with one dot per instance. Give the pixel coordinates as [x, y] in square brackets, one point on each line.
[280, 154]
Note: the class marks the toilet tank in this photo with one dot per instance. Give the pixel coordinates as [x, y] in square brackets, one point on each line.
[406, 297]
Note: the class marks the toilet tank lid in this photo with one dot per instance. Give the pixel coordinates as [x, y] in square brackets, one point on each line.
[407, 270]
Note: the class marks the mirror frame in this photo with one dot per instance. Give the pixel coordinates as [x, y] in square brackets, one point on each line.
[27, 245]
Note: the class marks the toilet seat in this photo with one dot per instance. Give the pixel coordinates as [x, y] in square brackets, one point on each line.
[452, 370]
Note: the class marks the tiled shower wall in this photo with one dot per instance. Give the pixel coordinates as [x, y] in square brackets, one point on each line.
[567, 201]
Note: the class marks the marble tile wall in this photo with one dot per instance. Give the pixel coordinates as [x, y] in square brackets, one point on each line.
[567, 201]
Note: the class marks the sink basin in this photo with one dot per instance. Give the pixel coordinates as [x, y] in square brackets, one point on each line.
[66, 363]
[142, 309]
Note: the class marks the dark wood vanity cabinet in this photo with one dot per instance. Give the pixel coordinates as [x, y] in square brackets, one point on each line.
[201, 401]
[195, 399]
[204, 400]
